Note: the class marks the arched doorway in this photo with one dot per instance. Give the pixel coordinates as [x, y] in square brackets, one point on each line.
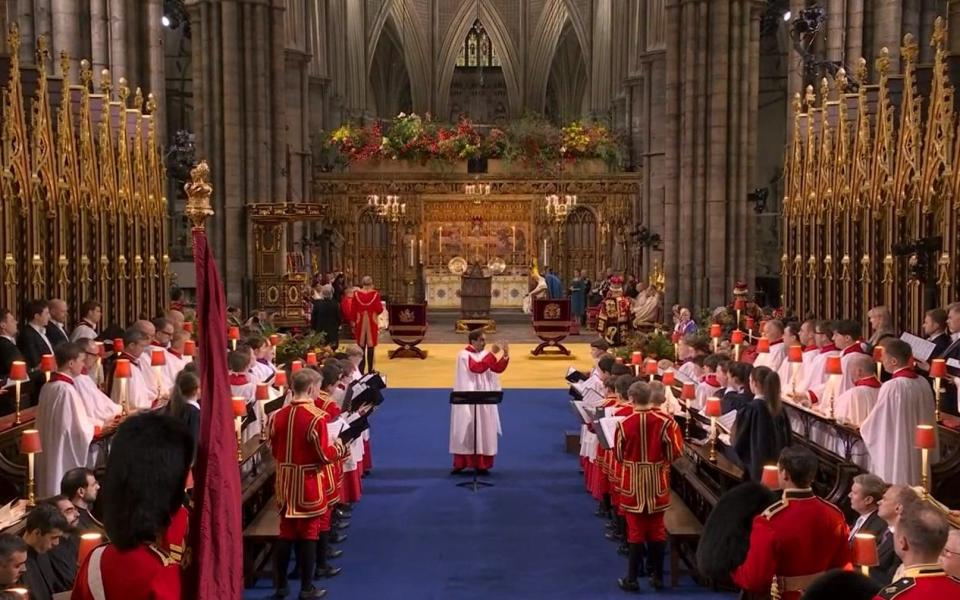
[580, 243]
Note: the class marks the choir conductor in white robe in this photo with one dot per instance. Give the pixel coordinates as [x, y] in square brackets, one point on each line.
[478, 369]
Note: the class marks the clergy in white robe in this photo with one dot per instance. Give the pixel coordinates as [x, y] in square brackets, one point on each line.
[854, 405]
[141, 387]
[888, 432]
[816, 375]
[478, 369]
[773, 331]
[66, 429]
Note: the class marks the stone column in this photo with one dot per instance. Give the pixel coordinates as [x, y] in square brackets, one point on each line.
[66, 32]
[888, 30]
[24, 17]
[157, 84]
[118, 39]
[953, 26]
[600, 69]
[711, 83]
[99, 35]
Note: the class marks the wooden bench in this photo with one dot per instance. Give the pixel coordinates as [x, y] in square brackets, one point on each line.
[683, 533]
[258, 538]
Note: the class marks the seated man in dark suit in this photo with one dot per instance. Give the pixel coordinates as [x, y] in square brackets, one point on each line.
[42, 533]
[33, 341]
[80, 485]
[865, 495]
[57, 327]
[63, 557]
[948, 402]
[891, 506]
[935, 330]
[8, 342]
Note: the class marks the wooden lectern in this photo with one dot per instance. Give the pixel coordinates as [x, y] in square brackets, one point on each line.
[476, 285]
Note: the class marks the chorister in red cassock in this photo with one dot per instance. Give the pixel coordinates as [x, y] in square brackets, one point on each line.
[792, 543]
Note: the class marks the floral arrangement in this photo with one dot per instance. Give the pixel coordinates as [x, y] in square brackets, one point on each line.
[296, 345]
[531, 140]
[653, 344]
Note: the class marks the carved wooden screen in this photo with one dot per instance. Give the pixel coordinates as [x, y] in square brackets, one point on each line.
[580, 243]
[373, 249]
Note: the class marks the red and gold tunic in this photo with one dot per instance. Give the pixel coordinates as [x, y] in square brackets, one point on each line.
[646, 443]
[306, 478]
[613, 319]
[921, 581]
[362, 314]
[143, 573]
[795, 540]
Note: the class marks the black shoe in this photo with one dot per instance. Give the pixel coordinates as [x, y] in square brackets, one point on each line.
[456, 471]
[313, 592]
[342, 512]
[336, 538]
[327, 572]
[628, 585]
[365, 473]
[613, 535]
[342, 524]
[610, 526]
[656, 582]
[334, 553]
[623, 549]
[602, 512]
[483, 472]
[281, 594]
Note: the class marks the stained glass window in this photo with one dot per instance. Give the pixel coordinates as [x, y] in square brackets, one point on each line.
[477, 49]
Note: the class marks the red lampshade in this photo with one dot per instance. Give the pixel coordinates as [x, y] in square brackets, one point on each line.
[101, 352]
[739, 304]
[763, 345]
[713, 407]
[938, 368]
[676, 337]
[122, 368]
[189, 347]
[750, 322]
[689, 391]
[736, 337]
[88, 541]
[715, 330]
[311, 359]
[878, 354]
[280, 378]
[158, 357]
[30, 442]
[636, 358]
[263, 391]
[188, 326]
[771, 477]
[650, 368]
[865, 550]
[795, 353]
[833, 366]
[295, 366]
[668, 378]
[233, 333]
[118, 344]
[239, 406]
[18, 371]
[48, 363]
[923, 438]
[274, 339]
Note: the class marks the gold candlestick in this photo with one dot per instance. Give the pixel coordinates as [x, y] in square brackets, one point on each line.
[713, 439]
[31, 485]
[238, 423]
[924, 460]
[17, 401]
[936, 395]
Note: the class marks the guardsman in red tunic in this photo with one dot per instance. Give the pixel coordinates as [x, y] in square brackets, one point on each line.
[646, 444]
[797, 538]
[362, 311]
[146, 522]
[305, 480]
[920, 536]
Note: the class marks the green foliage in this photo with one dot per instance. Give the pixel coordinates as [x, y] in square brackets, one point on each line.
[296, 345]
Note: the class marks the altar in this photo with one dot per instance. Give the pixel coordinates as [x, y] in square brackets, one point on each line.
[442, 289]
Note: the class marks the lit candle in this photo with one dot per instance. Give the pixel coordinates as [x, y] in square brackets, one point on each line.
[440, 239]
[420, 249]
[412, 255]
[513, 229]
[546, 257]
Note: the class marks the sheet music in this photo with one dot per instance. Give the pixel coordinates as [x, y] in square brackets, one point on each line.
[726, 421]
[335, 427]
[684, 378]
[581, 412]
[606, 432]
[922, 349]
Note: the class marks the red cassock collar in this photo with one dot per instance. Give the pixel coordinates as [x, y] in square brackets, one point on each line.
[827, 348]
[175, 353]
[775, 342]
[810, 348]
[58, 376]
[239, 379]
[854, 348]
[710, 380]
[871, 382]
[133, 361]
[907, 372]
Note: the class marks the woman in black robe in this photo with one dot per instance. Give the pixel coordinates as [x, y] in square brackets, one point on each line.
[762, 428]
[736, 378]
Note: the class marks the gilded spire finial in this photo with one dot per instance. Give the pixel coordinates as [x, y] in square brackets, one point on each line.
[198, 191]
[824, 90]
[138, 99]
[151, 103]
[939, 38]
[42, 53]
[13, 39]
[842, 82]
[797, 103]
[86, 74]
[123, 91]
[810, 97]
[861, 72]
[909, 49]
[64, 66]
[883, 62]
[106, 83]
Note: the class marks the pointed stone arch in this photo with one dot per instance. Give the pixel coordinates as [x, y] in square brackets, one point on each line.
[414, 49]
[502, 44]
[542, 51]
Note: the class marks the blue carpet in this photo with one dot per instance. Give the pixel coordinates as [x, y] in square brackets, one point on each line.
[415, 535]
